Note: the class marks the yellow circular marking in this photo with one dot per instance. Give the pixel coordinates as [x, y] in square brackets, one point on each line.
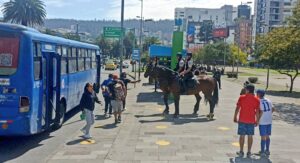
[163, 143]
[88, 142]
[99, 126]
[161, 127]
[237, 144]
[224, 128]
[160, 109]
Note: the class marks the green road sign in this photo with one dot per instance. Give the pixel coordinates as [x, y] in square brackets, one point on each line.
[112, 32]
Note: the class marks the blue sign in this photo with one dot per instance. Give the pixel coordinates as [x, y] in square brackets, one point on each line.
[135, 54]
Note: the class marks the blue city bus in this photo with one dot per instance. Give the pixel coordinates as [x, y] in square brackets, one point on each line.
[42, 77]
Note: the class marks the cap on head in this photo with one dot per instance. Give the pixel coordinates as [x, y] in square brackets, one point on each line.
[250, 88]
[261, 92]
[189, 54]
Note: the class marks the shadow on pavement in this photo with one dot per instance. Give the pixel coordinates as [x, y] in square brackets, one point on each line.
[289, 113]
[250, 160]
[14, 147]
[284, 94]
[74, 142]
[183, 119]
[151, 97]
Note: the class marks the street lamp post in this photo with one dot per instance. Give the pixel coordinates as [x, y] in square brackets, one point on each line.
[141, 33]
[122, 37]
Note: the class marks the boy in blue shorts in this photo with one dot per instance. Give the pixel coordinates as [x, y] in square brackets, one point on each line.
[265, 122]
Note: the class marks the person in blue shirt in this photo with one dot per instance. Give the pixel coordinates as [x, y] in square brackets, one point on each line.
[106, 96]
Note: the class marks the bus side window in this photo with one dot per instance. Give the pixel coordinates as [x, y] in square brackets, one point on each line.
[37, 59]
[72, 61]
[87, 60]
[94, 61]
[64, 60]
[80, 59]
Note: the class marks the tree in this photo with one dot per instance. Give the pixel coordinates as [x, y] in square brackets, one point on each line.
[236, 56]
[280, 48]
[150, 41]
[25, 12]
[129, 43]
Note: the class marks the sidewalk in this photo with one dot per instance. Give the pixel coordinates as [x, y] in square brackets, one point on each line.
[144, 136]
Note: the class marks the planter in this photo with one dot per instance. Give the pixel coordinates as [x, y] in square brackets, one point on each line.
[252, 79]
[232, 74]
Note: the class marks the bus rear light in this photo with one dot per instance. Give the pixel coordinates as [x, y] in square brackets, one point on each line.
[4, 126]
[24, 104]
[10, 121]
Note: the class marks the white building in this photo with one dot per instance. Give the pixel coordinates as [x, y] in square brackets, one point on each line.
[288, 8]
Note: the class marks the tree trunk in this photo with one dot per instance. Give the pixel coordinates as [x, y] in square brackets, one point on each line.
[292, 84]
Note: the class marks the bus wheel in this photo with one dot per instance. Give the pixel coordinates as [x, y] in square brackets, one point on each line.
[60, 116]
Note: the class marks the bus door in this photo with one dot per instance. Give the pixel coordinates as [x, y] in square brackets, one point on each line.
[51, 87]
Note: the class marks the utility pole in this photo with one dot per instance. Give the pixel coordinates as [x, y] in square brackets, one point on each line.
[141, 33]
[121, 38]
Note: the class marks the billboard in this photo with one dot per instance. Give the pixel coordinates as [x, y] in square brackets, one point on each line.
[199, 32]
[220, 32]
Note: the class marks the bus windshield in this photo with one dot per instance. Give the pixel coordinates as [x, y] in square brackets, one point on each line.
[9, 53]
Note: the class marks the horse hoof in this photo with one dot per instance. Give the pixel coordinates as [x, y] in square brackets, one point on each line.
[176, 116]
[195, 113]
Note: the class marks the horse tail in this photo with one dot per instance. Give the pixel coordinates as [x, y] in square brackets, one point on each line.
[216, 93]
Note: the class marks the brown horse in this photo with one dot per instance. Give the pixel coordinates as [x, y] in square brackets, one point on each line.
[169, 82]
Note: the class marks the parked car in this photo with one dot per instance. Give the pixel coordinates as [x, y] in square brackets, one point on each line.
[110, 65]
[125, 65]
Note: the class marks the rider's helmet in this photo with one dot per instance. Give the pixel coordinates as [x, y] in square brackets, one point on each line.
[189, 54]
[179, 55]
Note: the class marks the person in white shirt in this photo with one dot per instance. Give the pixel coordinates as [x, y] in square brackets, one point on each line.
[265, 122]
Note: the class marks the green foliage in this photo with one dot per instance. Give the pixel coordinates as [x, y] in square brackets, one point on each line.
[72, 36]
[148, 41]
[237, 55]
[280, 48]
[25, 12]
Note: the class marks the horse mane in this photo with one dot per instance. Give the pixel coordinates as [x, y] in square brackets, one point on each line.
[167, 70]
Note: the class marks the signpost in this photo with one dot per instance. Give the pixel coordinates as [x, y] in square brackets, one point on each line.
[136, 56]
[112, 32]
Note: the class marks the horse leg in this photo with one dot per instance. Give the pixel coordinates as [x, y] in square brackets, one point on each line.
[166, 97]
[176, 102]
[211, 108]
[197, 105]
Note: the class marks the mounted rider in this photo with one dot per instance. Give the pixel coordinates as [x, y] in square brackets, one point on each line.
[180, 63]
[187, 72]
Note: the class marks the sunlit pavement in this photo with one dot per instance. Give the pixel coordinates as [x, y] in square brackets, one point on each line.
[145, 136]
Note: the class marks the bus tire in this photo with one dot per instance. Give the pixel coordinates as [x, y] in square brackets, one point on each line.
[60, 116]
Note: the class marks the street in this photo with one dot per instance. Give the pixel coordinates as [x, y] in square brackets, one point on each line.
[146, 136]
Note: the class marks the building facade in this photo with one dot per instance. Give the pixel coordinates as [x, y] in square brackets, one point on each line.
[243, 34]
[197, 23]
[244, 11]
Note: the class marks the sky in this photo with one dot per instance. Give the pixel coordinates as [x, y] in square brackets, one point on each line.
[110, 9]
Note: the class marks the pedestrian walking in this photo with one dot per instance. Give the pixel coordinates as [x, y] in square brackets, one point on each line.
[87, 104]
[217, 76]
[247, 109]
[243, 90]
[265, 122]
[125, 80]
[117, 92]
[105, 93]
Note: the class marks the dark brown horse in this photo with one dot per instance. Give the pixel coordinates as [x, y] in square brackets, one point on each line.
[169, 82]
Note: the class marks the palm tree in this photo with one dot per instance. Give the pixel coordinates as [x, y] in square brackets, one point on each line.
[26, 12]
